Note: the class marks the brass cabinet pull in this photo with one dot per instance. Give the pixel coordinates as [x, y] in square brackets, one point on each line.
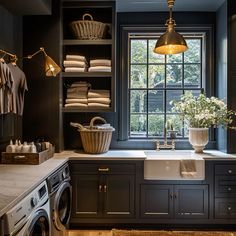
[105, 188]
[229, 189]
[103, 169]
[171, 196]
[230, 171]
[100, 188]
[229, 208]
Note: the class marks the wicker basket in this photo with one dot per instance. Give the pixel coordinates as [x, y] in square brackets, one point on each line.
[94, 140]
[88, 29]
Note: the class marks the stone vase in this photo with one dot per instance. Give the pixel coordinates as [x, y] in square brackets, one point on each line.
[198, 138]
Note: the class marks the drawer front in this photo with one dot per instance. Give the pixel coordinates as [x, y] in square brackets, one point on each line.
[225, 186]
[225, 169]
[103, 168]
[225, 208]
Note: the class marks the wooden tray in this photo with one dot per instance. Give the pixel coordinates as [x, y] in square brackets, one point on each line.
[27, 158]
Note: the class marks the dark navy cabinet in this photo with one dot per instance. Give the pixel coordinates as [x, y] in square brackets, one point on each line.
[160, 201]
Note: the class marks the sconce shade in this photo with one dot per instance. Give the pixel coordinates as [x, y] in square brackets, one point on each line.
[51, 68]
[170, 42]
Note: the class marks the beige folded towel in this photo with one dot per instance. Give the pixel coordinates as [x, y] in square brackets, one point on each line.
[80, 64]
[77, 100]
[77, 104]
[99, 100]
[99, 69]
[98, 105]
[77, 95]
[188, 168]
[94, 93]
[100, 62]
[77, 89]
[75, 58]
[75, 69]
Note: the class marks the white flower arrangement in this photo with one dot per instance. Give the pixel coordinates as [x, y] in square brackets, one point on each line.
[203, 112]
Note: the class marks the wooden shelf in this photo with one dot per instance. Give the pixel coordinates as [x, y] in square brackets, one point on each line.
[86, 74]
[77, 110]
[87, 42]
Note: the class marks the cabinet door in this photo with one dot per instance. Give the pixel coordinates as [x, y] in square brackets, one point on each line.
[119, 196]
[156, 201]
[191, 201]
[86, 197]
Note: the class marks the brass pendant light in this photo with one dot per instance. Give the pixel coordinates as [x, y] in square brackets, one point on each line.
[170, 42]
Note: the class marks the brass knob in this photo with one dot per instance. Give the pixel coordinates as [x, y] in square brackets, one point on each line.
[230, 171]
[103, 169]
[229, 189]
[105, 188]
[229, 208]
[100, 188]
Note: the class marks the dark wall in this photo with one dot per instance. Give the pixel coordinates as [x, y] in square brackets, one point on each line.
[10, 40]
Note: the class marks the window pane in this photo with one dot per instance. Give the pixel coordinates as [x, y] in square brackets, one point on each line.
[155, 101]
[174, 76]
[194, 92]
[138, 76]
[154, 57]
[138, 126]
[172, 95]
[176, 123]
[138, 51]
[156, 76]
[192, 76]
[156, 125]
[192, 55]
[186, 131]
[138, 101]
[174, 58]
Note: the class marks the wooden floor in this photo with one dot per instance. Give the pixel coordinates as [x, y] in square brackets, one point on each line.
[147, 233]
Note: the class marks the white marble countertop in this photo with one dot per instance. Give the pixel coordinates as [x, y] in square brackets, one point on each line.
[16, 181]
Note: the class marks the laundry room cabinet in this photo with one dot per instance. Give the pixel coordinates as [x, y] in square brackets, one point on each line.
[174, 201]
[102, 191]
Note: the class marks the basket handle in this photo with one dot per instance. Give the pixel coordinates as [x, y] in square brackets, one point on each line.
[86, 14]
[77, 125]
[96, 118]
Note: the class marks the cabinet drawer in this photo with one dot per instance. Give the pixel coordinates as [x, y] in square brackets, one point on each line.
[103, 168]
[225, 208]
[225, 169]
[225, 186]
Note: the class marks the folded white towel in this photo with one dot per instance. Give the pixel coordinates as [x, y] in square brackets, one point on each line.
[188, 168]
[77, 100]
[98, 105]
[80, 64]
[77, 104]
[95, 93]
[99, 100]
[100, 69]
[100, 62]
[75, 58]
[75, 69]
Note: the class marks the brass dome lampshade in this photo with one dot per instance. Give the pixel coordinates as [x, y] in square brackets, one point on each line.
[170, 42]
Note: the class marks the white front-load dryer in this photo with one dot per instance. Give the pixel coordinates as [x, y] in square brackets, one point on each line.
[31, 216]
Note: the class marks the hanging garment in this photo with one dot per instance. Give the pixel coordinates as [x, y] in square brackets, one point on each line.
[19, 88]
[6, 88]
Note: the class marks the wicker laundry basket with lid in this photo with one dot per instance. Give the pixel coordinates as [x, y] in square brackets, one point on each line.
[95, 138]
[88, 29]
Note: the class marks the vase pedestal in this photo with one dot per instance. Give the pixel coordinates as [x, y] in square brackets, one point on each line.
[198, 138]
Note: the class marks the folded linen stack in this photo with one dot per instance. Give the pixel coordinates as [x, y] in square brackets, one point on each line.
[77, 95]
[100, 65]
[75, 63]
[99, 98]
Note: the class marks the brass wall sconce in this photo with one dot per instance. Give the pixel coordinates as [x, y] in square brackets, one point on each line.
[50, 67]
[170, 42]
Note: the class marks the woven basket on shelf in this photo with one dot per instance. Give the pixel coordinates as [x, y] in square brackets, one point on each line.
[94, 140]
[88, 29]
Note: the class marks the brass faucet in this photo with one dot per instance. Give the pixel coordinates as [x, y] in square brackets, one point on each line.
[165, 144]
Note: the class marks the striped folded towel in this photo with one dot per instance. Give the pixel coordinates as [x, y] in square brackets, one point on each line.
[98, 93]
[75, 69]
[98, 105]
[79, 64]
[100, 69]
[75, 58]
[99, 100]
[76, 100]
[77, 105]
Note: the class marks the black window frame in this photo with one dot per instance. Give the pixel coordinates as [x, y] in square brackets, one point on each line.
[209, 83]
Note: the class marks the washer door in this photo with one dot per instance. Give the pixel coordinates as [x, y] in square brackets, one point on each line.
[62, 206]
[40, 225]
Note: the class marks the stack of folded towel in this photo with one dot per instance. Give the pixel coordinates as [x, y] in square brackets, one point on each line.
[75, 63]
[77, 95]
[99, 98]
[100, 65]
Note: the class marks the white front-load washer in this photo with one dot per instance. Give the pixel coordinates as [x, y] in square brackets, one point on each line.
[31, 216]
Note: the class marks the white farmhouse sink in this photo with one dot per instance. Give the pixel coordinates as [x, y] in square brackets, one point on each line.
[165, 165]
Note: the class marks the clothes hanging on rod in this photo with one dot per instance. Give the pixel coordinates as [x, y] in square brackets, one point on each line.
[19, 88]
